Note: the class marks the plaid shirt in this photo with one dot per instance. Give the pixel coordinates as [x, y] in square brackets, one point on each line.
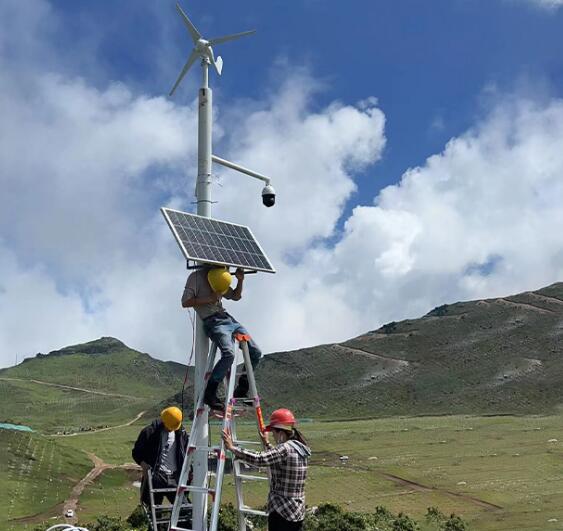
[288, 471]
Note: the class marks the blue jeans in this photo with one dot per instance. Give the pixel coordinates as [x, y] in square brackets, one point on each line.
[221, 328]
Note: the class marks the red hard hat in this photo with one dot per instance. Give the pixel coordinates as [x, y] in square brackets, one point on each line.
[282, 419]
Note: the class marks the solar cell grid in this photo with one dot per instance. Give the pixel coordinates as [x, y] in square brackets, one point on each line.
[217, 242]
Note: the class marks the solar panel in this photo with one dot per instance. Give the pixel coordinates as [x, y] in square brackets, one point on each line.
[216, 242]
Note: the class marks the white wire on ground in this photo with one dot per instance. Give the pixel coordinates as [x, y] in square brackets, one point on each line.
[66, 527]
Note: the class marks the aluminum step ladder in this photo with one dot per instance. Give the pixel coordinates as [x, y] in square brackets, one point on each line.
[159, 514]
[241, 476]
[232, 405]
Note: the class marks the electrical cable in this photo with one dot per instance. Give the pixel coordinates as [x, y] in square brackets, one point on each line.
[193, 321]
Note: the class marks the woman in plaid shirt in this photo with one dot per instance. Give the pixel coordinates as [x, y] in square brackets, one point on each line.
[288, 462]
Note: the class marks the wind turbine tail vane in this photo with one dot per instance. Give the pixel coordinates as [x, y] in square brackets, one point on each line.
[218, 64]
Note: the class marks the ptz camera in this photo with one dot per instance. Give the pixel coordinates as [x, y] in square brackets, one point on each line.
[268, 196]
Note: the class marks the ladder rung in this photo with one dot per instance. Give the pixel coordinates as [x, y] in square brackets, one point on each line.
[207, 448]
[192, 488]
[163, 520]
[252, 478]
[246, 442]
[166, 490]
[169, 507]
[248, 510]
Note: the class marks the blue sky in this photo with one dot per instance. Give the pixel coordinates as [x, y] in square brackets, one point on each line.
[428, 63]
[417, 150]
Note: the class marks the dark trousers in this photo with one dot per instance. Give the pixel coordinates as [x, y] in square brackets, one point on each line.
[162, 481]
[278, 523]
[159, 481]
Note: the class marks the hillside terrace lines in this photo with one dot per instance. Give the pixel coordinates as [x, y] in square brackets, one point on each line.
[425, 488]
[62, 386]
[544, 298]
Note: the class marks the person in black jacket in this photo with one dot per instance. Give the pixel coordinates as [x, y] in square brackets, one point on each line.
[161, 447]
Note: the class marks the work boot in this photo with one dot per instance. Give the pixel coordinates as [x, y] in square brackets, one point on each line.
[241, 390]
[210, 397]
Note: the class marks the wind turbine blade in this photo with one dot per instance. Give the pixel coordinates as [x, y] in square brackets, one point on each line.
[189, 63]
[196, 35]
[220, 40]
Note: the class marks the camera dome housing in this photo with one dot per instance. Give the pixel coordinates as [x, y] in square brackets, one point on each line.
[268, 196]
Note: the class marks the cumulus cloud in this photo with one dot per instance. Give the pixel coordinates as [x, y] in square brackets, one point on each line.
[84, 169]
[84, 251]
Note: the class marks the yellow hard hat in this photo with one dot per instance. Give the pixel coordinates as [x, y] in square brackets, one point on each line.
[219, 279]
[171, 418]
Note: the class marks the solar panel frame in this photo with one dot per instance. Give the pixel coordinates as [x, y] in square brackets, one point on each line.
[201, 242]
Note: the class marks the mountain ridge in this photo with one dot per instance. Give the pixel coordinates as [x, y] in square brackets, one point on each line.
[494, 356]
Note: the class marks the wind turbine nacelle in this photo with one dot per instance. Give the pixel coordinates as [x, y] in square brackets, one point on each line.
[201, 45]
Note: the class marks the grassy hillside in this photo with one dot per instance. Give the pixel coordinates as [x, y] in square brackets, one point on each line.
[56, 410]
[496, 356]
[83, 387]
[103, 365]
[37, 475]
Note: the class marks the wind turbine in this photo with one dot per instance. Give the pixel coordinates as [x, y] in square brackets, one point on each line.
[202, 48]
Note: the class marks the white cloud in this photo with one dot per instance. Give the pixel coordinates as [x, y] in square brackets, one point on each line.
[547, 4]
[84, 251]
[83, 171]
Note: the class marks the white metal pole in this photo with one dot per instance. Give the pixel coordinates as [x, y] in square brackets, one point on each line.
[203, 196]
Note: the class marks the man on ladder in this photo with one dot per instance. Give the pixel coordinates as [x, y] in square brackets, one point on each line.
[204, 290]
[160, 450]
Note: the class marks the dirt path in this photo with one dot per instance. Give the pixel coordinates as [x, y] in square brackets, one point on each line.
[380, 357]
[102, 393]
[72, 502]
[99, 468]
[525, 306]
[424, 488]
[139, 415]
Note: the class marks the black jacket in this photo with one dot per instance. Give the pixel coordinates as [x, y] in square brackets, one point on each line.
[147, 446]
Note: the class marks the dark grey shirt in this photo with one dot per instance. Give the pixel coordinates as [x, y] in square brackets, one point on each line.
[198, 286]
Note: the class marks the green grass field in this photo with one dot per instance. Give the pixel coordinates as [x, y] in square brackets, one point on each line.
[499, 473]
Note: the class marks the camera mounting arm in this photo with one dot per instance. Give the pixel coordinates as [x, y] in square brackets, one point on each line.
[239, 168]
[268, 192]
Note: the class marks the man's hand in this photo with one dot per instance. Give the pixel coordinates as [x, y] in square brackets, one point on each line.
[145, 467]
[239, 274]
